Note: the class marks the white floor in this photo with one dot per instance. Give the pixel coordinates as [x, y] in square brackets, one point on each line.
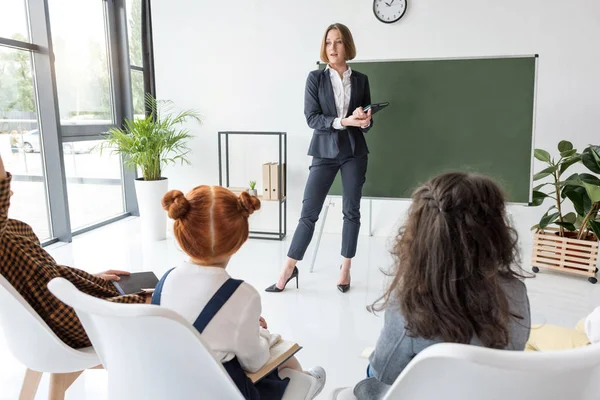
[332, 327]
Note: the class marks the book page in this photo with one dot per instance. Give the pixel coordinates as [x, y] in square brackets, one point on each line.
[280, 353]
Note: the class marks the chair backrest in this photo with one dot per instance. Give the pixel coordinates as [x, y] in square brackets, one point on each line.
[32, 342]
[461, 372]
[150, 352]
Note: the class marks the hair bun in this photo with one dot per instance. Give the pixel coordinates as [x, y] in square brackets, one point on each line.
[176, 205]
[248, 203]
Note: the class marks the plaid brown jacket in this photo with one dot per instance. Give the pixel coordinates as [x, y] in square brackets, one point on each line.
[29, 268]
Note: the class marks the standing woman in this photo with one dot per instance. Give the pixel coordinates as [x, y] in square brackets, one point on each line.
[333, 103]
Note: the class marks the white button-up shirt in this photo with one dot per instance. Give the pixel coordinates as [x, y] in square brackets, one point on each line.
[342, 90]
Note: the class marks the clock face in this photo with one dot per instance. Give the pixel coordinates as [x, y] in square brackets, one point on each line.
[389, 11]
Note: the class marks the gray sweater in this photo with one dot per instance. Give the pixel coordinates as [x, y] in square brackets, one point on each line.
[395, 348]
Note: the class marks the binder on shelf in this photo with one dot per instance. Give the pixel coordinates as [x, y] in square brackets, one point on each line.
[275, 181]
[266, 194]
[277, 191]
[283, 183]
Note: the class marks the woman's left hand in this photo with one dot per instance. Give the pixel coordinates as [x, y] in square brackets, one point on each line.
[365, 116]
[359, 113]
[262, 322]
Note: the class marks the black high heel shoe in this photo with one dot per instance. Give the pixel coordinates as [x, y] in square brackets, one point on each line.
[274, 289]
[344, 288]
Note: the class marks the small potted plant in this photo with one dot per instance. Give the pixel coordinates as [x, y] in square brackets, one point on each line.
[150, 144]
[252, 191]
[568, 242]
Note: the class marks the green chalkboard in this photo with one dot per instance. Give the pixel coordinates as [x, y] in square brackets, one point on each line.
[446, 115]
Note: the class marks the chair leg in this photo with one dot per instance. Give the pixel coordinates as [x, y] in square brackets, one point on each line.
[59, 383]
[31, 381]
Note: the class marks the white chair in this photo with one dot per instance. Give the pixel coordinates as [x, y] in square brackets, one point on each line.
[33, 343]
[152, 353]
[461, 372]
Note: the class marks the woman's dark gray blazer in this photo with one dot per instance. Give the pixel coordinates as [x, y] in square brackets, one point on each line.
[320, 111]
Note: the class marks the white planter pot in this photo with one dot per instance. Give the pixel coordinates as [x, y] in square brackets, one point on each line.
[252, 192]
[153, 217]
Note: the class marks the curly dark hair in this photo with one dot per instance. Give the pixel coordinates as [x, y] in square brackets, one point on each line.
[450, 259]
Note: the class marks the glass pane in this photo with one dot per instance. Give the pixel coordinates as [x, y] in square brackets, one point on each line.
[13, 20]
[94, 183]
[82, 62]
[137, 91]
[134, 31]
[20, 141]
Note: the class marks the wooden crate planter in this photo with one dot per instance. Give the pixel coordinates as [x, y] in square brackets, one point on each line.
[563, 254]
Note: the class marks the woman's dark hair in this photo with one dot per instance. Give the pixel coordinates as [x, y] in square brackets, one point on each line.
[450, 259]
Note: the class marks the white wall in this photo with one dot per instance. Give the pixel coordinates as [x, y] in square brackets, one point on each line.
[243, 64]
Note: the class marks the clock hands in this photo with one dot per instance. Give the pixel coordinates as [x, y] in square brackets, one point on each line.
[392, 12]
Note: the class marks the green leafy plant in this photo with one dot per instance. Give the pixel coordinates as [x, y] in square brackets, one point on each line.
[155, 141]
[582, 190]
[252, 184]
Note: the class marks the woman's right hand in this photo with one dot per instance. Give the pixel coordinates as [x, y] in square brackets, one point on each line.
[353, 120]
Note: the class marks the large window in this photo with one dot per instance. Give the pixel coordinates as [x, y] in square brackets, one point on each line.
[13, 20]
[137, 89]
[55, 107]
[134, 33]
[94, 183]
[20, 140]
[82, 63]
[85, 98]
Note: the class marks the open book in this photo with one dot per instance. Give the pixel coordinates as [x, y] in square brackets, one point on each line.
[280, 353]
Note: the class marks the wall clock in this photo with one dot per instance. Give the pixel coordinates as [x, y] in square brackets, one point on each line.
[389, 11]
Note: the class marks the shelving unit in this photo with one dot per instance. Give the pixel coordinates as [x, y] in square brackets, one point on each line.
[224, 179]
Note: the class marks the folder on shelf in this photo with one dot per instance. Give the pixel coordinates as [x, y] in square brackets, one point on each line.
[266, 194]
[275, 181]
[277, 190]
[283, 183]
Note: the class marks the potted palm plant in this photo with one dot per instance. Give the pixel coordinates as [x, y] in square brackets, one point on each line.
[149, 144]
[568, 242]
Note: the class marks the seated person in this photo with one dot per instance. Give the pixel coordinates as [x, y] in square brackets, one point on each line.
[553, 337]
[455, 279]
[29, 268]
[211, 224]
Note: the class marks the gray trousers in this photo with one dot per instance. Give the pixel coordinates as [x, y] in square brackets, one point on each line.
[321, 177]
